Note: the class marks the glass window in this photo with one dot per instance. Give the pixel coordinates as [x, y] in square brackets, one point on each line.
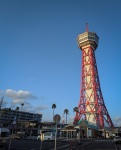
[47, 134]
[4, 134]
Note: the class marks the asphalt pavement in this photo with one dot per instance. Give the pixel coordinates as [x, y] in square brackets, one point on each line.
[65, 144]
[37, 145]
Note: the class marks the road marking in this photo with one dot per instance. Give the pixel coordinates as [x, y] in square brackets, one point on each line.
[103, 140]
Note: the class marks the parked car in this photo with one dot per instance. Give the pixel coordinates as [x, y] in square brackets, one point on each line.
[4, 138]
[45, 136]
[18, 135]
[117, 139]
[48, 136]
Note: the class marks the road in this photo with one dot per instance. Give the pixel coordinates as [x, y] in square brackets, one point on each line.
[35, 145]
[97, 144]
[101, 145]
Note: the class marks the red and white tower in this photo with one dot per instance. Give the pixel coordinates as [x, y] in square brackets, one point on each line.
[91, 105]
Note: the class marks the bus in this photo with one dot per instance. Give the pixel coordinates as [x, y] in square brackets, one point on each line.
[4, 138]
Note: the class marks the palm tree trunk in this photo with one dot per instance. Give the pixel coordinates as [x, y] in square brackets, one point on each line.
[53, 114]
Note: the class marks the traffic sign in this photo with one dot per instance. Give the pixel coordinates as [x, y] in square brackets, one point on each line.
[57, 118]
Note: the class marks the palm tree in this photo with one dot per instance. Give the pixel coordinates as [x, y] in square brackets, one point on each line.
[53, 107]
[66, 111]
[76, 109]
[17, 109]
[22, 104]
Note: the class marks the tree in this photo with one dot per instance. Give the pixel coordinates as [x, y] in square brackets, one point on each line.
[53, 107]
[76, 109]
[66, 111]
[17, 109]
[22, 104]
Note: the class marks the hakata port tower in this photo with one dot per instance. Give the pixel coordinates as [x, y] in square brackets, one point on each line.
[91, 105]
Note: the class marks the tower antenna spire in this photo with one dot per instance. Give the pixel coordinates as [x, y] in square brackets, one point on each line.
[86, 27]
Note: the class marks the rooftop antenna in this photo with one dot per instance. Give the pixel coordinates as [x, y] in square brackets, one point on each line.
[86, 27]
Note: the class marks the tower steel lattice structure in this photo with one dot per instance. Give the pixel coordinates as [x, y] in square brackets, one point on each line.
[91, 105]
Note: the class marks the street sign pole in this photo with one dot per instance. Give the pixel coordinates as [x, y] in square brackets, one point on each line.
[42, 139]
[41, 145]
[55, 135]
[56, 119]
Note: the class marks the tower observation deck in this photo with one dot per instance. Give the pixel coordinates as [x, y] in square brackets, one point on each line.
[88, 38]
[91, 105]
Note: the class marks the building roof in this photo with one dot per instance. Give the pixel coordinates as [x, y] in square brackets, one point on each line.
[85, 123]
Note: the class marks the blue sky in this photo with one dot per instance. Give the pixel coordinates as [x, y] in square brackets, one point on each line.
[39, 58]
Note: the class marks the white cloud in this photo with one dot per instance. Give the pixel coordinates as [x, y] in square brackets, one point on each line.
[16, 98]
[19, 94]
[117, 121]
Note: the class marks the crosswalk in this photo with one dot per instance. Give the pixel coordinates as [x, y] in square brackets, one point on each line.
[103, 140]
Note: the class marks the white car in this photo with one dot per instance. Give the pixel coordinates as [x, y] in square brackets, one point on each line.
[48, 136]
[45, 136]
[117, 139]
